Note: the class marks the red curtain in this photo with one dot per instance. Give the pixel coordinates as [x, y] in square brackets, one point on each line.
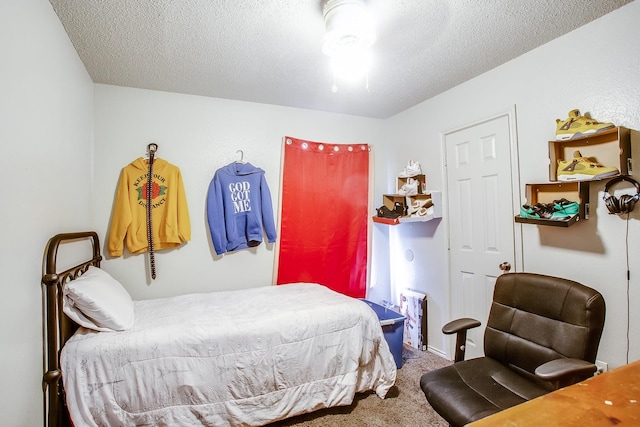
[324, 215]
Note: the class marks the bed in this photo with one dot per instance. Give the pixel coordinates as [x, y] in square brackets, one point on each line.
[232, 358]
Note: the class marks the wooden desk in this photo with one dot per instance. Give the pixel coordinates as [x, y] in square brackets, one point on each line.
[612, 398]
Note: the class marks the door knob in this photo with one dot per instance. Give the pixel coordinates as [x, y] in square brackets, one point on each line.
[505, 266]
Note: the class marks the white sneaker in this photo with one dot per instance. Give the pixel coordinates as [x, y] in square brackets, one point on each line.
[410, 188]
[412, 169]
[414, 208]
[425, 211]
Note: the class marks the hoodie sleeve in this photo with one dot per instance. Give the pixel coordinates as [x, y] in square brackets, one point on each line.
[215, 216]
[267, 211]
[120, 217]
[184, 223]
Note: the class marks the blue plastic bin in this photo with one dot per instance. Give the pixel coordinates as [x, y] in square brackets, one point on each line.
[393, 328]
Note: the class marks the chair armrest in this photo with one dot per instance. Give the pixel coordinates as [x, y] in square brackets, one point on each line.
[458, 325]
[564, 369]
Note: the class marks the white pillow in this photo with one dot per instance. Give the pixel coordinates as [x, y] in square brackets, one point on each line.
[97, 301]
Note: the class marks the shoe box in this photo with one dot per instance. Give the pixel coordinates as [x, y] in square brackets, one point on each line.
[548, 192]
[421, 199]
[390, 200]
[610, 148]
[422, 183]
[413, 305]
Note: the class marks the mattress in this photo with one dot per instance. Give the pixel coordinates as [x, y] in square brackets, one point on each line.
[246, 357]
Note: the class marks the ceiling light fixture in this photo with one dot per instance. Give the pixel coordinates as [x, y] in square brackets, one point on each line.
[349, 36]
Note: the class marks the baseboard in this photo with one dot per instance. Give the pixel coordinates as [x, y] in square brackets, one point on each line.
[437, 352]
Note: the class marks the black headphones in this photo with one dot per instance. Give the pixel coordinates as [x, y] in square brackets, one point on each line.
[626, 202]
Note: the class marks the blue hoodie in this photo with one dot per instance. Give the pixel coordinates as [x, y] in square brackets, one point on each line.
[238, 206]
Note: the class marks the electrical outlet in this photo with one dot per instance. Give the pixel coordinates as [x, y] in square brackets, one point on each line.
[602, 367]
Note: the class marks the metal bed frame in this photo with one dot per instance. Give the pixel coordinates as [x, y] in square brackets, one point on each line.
[58, 328]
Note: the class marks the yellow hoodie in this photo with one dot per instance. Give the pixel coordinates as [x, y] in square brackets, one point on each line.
[170, 215]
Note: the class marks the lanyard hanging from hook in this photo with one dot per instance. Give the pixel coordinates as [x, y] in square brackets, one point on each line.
[151, 151]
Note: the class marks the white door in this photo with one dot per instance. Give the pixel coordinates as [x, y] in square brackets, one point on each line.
[481, 195]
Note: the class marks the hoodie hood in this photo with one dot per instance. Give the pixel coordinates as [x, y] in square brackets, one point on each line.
[241, 169]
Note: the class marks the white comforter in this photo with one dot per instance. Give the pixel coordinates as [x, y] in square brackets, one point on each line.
[235, 358]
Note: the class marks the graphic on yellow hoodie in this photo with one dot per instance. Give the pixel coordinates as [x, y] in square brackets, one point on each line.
[170, 215]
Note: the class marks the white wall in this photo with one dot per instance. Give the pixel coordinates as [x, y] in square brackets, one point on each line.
[46, 125]
[200, 135]
[594, 68]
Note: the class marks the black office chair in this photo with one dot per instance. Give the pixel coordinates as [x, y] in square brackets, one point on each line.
[542, 333]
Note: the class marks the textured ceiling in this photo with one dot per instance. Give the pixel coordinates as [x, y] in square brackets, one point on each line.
[269, 51]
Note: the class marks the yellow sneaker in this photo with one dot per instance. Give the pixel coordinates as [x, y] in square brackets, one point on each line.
[576, 125]
[583, 168]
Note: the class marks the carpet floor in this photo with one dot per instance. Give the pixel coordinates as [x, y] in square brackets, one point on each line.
[404, 406]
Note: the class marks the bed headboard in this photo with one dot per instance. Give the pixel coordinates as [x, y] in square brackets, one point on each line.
[58, 328]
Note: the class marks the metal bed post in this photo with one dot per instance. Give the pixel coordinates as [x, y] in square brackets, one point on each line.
[58, 328]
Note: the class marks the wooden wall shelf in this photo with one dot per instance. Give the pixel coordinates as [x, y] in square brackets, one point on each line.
[547, 192]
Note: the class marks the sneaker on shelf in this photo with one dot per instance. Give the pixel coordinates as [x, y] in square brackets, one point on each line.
[385, 212]
[425, 211]
[527, 211]
[412, 169]
[576, 125]
[583, 168]
[400, 209]
[564, 207]
[537, 211]
[558, 210]
[410, 188]
[414, 208]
